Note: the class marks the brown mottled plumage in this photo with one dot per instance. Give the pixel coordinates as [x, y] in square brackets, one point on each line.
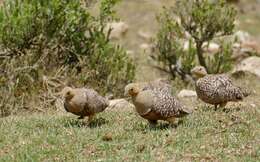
[216, 89]
[154, 104]
[83, 102]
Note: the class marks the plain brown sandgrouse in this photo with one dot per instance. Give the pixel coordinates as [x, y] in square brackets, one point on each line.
[83, 102]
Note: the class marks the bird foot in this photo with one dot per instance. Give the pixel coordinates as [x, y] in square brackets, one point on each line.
[90, 119]
[216, 107]
[81, 117]
[152, 123]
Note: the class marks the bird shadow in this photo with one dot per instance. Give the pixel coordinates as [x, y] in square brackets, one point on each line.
[210, 108]
[158, 127]
[97, 122]
[83, 123]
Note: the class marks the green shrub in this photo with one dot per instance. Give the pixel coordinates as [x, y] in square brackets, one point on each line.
[47, 44]
[203, 21]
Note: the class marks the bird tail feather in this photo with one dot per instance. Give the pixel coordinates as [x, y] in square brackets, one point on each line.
[246, 92]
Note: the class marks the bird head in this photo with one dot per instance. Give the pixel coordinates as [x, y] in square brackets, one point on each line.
[67, 93]
[132, 90]
[198, 72]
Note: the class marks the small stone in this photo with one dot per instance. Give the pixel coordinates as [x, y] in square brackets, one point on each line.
[253, 105]
[107, 137]
[147, 48]
[211, 47]
[187, 93]
[242, 36]
[118, 29]
[250, 64]
[145, 35]
[118, 104]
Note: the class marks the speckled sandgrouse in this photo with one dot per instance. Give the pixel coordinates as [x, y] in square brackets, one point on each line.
[83, 102]
[154, 104]
[216, 89]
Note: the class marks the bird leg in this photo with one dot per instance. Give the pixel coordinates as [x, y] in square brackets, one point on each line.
[91, 118]
[152, 122]
[81, 117]
[216, 107]
[171, 121]
[223, 104]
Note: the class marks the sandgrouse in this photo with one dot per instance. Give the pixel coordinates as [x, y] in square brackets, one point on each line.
[83, 102]
[155, 104]
[216, 89]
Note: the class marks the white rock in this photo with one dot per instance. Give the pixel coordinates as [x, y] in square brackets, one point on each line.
[243, 50]
[242, 36]
[236, 45]
[250, 64]
[119, 104]
[211, 47]
[253, 105]
[237, 23]
[254, 46]
[145, 35]
[186, 45]
[118, 29]
[147, 48]
[187, 93]
[129, 52]
[187, 35]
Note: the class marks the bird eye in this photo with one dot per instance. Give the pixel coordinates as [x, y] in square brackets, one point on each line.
[68, 93]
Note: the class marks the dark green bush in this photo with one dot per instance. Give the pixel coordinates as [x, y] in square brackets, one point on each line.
[49, 43]
[203, 21]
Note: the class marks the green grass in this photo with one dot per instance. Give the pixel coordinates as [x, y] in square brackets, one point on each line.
[205, 135]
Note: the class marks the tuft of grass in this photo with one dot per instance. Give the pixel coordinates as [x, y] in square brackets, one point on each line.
[208, 135]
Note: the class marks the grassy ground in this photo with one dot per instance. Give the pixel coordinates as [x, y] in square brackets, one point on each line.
[229, 134]
[225, 135]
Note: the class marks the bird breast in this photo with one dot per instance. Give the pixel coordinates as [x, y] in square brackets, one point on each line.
[95, 102]
[76, 104]
[143, 102]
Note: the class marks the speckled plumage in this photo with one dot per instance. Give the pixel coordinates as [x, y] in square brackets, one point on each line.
[218, 89]
[83, 102]
[154, 104]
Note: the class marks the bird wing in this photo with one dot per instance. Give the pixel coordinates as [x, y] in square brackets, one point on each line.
[95, 102]
[224, 87]
[166, 105]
